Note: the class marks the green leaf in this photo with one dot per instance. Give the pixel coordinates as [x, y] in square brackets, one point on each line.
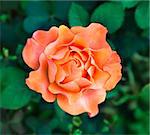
[76, 121]
[78, 16]
[144, 95]
[61, 10]
[32, 23]
[77, 132]
[32, 122]
[34, 8]
[14, 93]
[105, 129]
[129, 3]
[110, 14]
[142, 15]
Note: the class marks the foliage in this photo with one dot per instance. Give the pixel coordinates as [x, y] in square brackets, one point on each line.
[126, 109]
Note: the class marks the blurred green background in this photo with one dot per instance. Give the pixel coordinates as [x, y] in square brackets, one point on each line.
[126, 109]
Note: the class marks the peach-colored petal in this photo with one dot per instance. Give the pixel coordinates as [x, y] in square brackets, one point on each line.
[91, 70]
[83, 82]
[114, 58]
[46, 37]
[81, 53]
[31, 53]
[77, 29]
[60, 76]
[52, 70]
[100, 77]
[79, 41]
[94, 36]
[87, 64]
[64, 59]
[38, 80]
[87, 103]
[65, 34]
[101, 56]
[115, 75]
[72, 71]
[71, 96]
[60, 53]
[70, 86]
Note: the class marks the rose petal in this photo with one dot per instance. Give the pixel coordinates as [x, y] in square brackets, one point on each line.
[60, 76]
[70, 86]
[91, 70]
[81, 53]
[83, 82]
[31, 53]
[71, 96]
[77, 29]
[87, 103]
[94, 36]
[101, 56]
[46, 37]
[115, 75]
[79, 41]
[72, 71]
[100, 77]
[114, 58]
[52, 70]
[60, 53]
[65, 34]
[38, 80]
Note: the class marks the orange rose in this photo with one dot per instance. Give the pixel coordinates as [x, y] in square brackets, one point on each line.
[75, 66]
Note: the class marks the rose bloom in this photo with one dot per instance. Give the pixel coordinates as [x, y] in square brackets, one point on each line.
[74, 66]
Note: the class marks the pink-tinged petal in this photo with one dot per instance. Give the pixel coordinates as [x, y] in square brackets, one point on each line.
[83, 82]
[87, 103]
[31, 53]
[71, 96]
[38, 80]
[115, 75]
[64, 59]
[52, 70]
[60, 53]
[91, 70]
[70, 86]
[46, 37]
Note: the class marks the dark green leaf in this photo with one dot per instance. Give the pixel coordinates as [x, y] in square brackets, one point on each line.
[129, 3]
[144, 95]
[32, 23]
[105, 129]
[110, 14]
[76, 121]
[142, 15]
[78, 16]
[77, 132]
[36, 8]
[61, 9]
[14, 93]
